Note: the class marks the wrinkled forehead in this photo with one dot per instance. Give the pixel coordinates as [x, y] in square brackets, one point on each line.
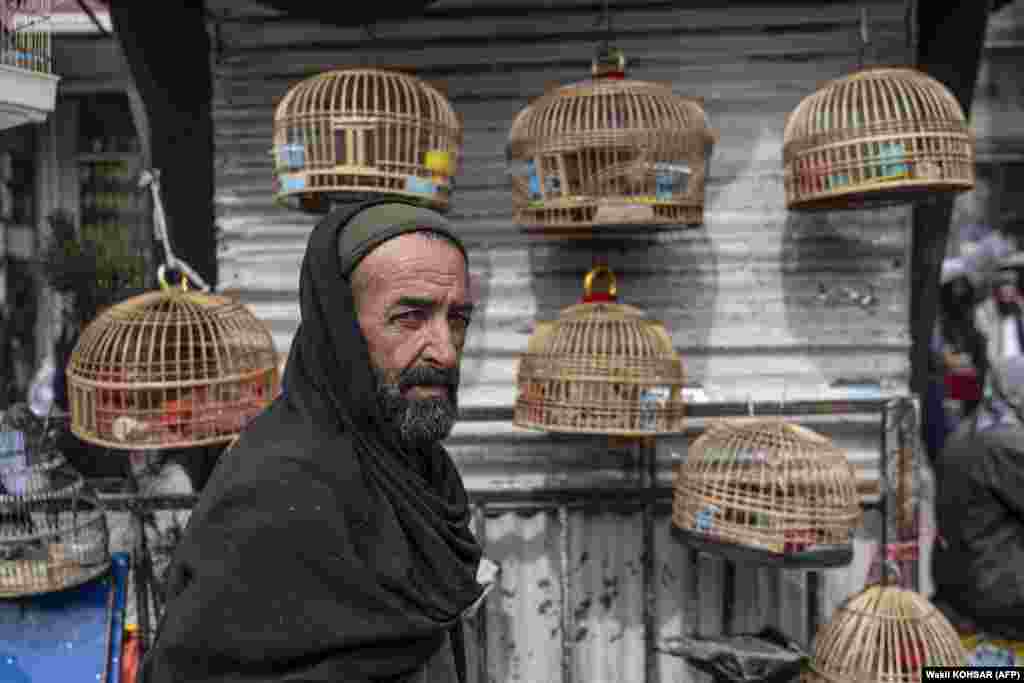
[418, 264]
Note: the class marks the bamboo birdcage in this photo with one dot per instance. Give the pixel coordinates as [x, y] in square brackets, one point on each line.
[885, 634]
[877, 136]
[767, 491]
[601, 368]
[53, 533]
[353, 134]
[607, 152]
[170, 369]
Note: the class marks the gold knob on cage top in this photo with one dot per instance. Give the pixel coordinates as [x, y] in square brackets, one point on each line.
[588, 281]
[161, 275]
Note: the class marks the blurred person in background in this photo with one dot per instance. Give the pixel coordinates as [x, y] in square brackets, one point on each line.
[1000, 315]
[978, 561]
[961, 348]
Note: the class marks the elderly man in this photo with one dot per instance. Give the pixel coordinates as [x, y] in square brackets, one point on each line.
[978, 563]
[332, 543]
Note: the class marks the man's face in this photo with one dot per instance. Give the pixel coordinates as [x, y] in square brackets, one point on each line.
[414, 310]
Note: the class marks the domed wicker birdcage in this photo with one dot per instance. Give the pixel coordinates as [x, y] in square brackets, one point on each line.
[170, 369]
[609, 152]
[885, 634]
[601, 368]
[769, 492]
[878, 136]
[352, 134]
[53, 533]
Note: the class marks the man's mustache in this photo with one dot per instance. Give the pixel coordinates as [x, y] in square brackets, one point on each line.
[427, 376]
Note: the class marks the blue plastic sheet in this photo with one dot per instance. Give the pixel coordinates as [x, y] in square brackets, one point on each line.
[73, 636]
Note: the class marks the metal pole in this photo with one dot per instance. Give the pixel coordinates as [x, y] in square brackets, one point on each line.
[648, 461]
[563, 556]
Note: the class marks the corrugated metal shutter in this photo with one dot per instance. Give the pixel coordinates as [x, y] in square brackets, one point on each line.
[763, 305]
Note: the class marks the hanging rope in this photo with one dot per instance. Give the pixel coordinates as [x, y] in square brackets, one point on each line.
[865, 37]
[151, 179]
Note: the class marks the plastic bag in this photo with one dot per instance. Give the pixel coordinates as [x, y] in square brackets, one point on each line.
[765, 657]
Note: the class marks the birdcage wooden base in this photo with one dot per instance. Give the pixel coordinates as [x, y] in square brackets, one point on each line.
[582, 418]
[885, 634]
[584, 214]
[875, 195]
[320, 191]
[819, 557]
[177, 415]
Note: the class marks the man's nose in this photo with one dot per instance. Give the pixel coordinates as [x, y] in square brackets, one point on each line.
[440, 348]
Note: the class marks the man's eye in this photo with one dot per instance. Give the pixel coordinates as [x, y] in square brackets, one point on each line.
[412, 316]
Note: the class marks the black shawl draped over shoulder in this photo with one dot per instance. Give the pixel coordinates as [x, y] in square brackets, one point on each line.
[319, 550]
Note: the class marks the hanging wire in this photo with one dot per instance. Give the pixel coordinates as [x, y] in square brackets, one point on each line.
[865, 37]
[92, 15]
[151, 179]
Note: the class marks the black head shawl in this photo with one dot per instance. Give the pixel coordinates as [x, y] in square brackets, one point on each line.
[318, 552]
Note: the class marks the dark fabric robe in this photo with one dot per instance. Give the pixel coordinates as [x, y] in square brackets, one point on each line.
[978, 564]
[320, 550]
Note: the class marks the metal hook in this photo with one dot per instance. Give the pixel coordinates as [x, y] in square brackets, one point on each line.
[750, 406]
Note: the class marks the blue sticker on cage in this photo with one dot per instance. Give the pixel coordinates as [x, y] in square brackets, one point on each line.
[292, 156]
[534, 183]
[652, 400]
[705, 518]
[419, 185]
[292, 183]
[671, 179]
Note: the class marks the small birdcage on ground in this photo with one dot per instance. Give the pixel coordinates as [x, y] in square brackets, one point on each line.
[880, 135]
[769, 492]
[170, 369]
[28, 88]
[354, 134]
[601, 368]
[53, 533]
[885, 634]
[609, 152]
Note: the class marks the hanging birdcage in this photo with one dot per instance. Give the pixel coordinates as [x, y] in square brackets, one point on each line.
[353, 134]
[609, 152]
[885, 634]
[28, 87]
[53, 533]
[880, 135]
[601, 368]
[769, 492]
[170, 369]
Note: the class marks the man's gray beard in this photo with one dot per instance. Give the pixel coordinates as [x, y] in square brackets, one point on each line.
[421, 421]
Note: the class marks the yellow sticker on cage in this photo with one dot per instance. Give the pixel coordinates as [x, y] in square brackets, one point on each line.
[440, 162]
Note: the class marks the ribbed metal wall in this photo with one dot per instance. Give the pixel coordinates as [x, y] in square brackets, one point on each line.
[763, 305]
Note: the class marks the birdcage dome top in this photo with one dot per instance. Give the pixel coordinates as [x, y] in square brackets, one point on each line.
[367, 93]
[624, 108]
[601, 327]
[873, 100]
[884, 633]
[172, 336]
[766, 441]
